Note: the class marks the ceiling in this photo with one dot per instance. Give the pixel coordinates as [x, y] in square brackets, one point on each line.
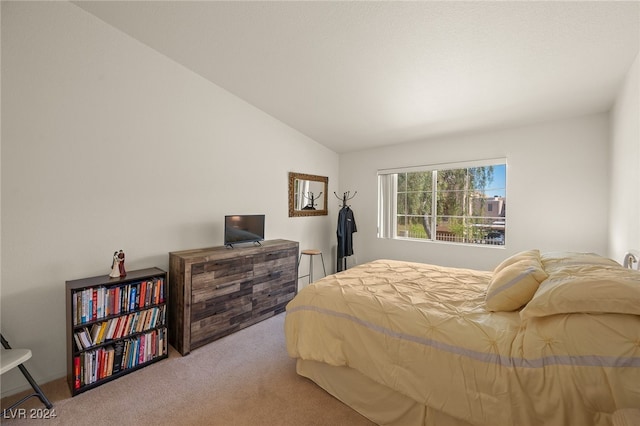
[354, 75]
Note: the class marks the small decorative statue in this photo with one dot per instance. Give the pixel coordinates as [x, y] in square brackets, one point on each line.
[117, 266]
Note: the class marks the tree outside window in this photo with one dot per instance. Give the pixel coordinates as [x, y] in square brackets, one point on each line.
[453, 204]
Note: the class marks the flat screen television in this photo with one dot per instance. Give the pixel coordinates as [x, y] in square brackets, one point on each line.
[243, 229]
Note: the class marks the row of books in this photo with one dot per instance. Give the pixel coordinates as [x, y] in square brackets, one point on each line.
[119, 327]
[94, 303]
[92, 366]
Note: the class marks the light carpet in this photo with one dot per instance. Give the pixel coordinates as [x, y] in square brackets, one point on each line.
[246, 378]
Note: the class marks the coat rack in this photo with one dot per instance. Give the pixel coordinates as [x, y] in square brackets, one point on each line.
[346, 226]
[345, 197]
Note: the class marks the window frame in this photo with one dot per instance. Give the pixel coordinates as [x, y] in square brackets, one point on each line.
[388, 193]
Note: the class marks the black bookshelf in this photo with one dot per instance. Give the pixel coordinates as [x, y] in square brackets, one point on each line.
[115, 326]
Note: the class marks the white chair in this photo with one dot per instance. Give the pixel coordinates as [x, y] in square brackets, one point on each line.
[11, 358]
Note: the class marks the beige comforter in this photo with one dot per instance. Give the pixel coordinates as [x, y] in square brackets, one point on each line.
[423, 331]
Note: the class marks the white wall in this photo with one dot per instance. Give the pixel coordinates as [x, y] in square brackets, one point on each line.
[108, 145]
[624, 226]
[557, 181]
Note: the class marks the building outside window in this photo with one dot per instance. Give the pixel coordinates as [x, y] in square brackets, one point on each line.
[457, 203]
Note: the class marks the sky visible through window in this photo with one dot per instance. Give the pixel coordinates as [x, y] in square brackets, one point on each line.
[497, 185]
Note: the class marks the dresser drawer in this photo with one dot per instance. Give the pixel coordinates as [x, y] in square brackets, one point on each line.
[277, 260]
[232, 317]
[273, 291]
[230, 297]
[219, 277]
[215, 316]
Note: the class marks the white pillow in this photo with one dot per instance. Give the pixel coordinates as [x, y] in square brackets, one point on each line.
[523, 255]
[599, 287]
[515, 281]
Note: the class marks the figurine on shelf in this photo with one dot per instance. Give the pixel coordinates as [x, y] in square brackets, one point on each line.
[117, 266]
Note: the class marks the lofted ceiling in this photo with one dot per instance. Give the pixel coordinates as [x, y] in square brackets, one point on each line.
[354, 75]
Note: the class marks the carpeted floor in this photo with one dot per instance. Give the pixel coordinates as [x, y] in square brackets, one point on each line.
[246, 378]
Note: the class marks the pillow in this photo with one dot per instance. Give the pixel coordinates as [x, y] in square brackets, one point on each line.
[588, 288]
[515, 284]
[561, 259]
[533, 255]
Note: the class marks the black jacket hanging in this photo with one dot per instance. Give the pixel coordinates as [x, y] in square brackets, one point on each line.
[346, 227]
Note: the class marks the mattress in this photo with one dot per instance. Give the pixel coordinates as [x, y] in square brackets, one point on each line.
[424, 331]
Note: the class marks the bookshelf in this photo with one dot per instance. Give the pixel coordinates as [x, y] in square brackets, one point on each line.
[115, 326]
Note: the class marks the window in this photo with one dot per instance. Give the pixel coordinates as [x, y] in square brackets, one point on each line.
[458, 203]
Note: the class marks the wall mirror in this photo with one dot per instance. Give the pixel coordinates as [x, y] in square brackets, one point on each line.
[307, 195]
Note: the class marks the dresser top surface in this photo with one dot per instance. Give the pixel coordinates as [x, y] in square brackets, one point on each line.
[238, 250]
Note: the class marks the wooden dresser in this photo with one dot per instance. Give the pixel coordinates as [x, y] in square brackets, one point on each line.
[216, 291]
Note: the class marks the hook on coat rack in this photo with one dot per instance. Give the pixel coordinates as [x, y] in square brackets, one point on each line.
[345, 197]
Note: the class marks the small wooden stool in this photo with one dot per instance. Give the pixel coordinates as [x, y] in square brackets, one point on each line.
[311, 253]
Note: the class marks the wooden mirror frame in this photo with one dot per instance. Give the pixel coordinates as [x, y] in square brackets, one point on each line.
[292, 183]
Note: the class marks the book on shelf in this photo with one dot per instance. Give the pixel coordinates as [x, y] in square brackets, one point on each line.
[116, 328]
[99, 367]
[85, 306]
[124, 299]
[94, 305]
[126, 354]
[161, 291]
[141, 349]
[123, 326]
[94, 365]
[127, 328]
[134, 294]
[154, 345]
[104, 362]
[149, 319]
[97, 295]
[118, 349]
[84, 337]
[89, 368]
[134, 322]
[143, 294]
[119, 333]
[142, 321]
[77, 375]
[74, 308]
[110, 359]
[76, 339]
[111, 327]
[95, 332]
[81, 364]
[146, 289]
[135, 346]
[106, 304]
[154, 300]
[116, 300]
[103, 330]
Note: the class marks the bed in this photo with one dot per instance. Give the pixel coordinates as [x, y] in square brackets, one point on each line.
[544, 339]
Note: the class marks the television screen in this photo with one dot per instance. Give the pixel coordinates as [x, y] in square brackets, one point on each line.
[243, 228]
